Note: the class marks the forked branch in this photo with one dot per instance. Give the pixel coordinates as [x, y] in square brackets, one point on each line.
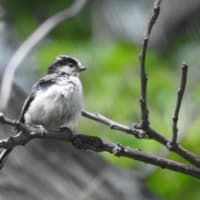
[140, 133]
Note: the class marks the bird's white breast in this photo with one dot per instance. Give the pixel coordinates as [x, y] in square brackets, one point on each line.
[58, 105]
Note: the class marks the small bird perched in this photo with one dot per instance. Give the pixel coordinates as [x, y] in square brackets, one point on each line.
[56, 99]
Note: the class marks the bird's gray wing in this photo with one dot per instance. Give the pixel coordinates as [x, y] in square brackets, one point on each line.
[42, 84]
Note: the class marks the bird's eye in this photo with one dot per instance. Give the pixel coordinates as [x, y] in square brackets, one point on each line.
[70, 64]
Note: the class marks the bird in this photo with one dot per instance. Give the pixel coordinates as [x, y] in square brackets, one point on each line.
[56, 100]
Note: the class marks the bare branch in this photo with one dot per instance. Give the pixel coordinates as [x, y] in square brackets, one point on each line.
[152, 134]
[164, 152]
[30, 43]
[114, 125]
[180, 94]
[187, 155]
[143, 76]
[92, 143]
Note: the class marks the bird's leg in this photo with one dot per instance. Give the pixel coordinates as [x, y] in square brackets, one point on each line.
[38, 128]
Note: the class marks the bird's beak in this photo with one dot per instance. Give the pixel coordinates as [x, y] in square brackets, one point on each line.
[82, 68]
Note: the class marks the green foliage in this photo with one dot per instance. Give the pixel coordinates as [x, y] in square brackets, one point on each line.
[173, 186]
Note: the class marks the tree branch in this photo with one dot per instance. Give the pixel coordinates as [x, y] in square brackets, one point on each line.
[149, 133]
[46, 27]
[84, 142]
[143, 76]
[178, 104]
[187, 155]
[138, 133]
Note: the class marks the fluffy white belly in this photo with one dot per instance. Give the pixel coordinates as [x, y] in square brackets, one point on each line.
[59, 105]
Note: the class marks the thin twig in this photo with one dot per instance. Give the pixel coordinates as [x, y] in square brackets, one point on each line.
[180, 94]
[143, 75]
[92, 143]
[114, 125]
[40, 33]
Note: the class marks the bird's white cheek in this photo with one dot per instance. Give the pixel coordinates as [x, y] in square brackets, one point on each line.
[66, 69]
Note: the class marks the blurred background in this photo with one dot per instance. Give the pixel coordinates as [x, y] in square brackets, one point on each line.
[106, 37]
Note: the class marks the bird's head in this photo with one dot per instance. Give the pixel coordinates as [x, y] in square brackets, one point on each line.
[66, 64]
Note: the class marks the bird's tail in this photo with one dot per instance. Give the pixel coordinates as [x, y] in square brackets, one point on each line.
[4, 156]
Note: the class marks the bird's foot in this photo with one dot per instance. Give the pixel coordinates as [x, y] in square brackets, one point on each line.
[37, 128]
[64, 128]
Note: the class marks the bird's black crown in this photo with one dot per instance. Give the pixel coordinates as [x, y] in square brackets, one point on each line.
[66, 60]
[62, 61]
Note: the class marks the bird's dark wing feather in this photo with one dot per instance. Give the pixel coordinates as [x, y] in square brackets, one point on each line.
[43, 83]
[27, 102]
